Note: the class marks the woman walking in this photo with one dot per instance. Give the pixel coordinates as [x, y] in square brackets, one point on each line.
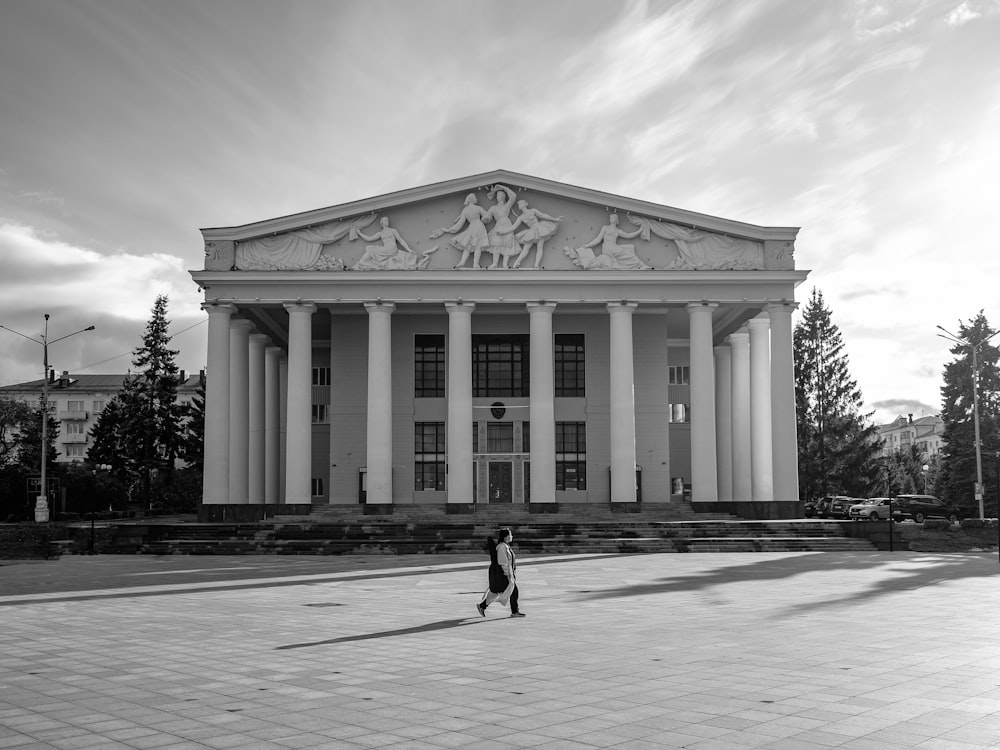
[503, 584]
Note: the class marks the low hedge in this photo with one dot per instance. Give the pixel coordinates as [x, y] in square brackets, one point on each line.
[979, 523]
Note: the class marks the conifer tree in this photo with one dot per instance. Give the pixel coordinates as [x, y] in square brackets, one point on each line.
[145, 424]
[838, 446]
[957, 476]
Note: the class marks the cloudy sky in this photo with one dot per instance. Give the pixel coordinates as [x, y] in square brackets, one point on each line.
[127, 125]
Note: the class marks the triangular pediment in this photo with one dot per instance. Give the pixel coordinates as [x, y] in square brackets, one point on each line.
[508, 219]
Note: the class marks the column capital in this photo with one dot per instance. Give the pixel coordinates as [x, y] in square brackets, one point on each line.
[783, 306]
[273, 351]
[459, 306]
[258, 339]
[240, 323]
[623, 306]
[701, 305]
[374, 307]
[760, 322]
[740, 335]
[299, 306]
[540, 307]
[218, 308]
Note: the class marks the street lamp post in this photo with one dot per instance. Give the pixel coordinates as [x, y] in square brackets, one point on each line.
[42, 501]
[924, 468]
[975, 407]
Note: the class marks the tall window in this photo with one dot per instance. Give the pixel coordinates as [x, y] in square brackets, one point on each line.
[428, 365]
[499, 437]
[571, 455]
[320, 413]
[570, 363]
[76, 451]
[500, 366]
[74, 406]
[678, 375]
[321, 376]
[317, 486]
[98, 406]
[74, 428]
[429, 456]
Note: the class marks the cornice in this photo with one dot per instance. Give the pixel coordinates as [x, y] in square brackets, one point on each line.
[524, 183]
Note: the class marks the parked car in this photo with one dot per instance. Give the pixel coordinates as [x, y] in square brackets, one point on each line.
[919, 507]
[873, 509]
[840, 507]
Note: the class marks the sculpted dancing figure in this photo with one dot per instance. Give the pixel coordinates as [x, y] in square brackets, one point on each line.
[501, 236]
[539, 227]
[474, 239]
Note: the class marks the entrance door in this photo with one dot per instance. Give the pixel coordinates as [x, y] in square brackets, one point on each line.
[501, 482]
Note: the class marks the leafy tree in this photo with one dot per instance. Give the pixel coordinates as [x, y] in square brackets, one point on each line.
[29, 439]
[957, 477]
[838, 446]
[14, 413]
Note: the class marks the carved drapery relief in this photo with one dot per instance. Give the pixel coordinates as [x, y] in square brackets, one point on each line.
[704, 250]
[301, 250]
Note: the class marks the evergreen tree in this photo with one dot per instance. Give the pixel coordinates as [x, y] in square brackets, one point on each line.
[957, 476]
[838, 445]
[141, 437]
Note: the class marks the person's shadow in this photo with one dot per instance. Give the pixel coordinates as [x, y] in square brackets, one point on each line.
[426, 628]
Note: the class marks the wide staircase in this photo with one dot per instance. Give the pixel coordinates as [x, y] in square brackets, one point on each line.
[346, 530]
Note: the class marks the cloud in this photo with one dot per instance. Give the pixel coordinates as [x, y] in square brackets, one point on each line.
[78, 286]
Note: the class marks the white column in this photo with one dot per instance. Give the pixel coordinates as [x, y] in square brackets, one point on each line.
[459, 430]
[239, 411]
[283, 427]
[704, 478]
[379, 456]
[783, 435]
[542, 404]
[739, 342]
[762, 480]
[622, 403]
[256, 443]
[298, 453]
[724, 420]
[272, 425]
[215, 482]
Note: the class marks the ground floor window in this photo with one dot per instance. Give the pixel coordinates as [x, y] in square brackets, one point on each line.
[76, 451]
[317, 486]
[428, 456]
[680, 413]
[571, 455]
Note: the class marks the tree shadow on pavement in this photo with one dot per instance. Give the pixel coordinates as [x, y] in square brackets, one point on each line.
[425, 628]
[894, 574]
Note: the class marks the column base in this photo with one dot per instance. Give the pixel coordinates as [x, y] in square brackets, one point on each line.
[752, 511]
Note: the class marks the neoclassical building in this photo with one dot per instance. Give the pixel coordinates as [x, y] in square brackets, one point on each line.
[500, 338]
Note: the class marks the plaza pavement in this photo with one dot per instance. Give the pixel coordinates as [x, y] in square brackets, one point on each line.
[767, 650]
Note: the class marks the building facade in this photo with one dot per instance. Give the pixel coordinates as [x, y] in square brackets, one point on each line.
[926, 434]
[77, 400]
[500, 339]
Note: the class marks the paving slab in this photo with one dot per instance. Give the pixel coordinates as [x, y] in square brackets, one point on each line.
[766, 650]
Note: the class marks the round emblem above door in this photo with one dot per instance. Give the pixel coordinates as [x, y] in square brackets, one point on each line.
[497, 409]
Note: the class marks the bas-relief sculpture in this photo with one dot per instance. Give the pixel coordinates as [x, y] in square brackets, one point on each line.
[612, 255]
[393, 254]
[509, 248]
